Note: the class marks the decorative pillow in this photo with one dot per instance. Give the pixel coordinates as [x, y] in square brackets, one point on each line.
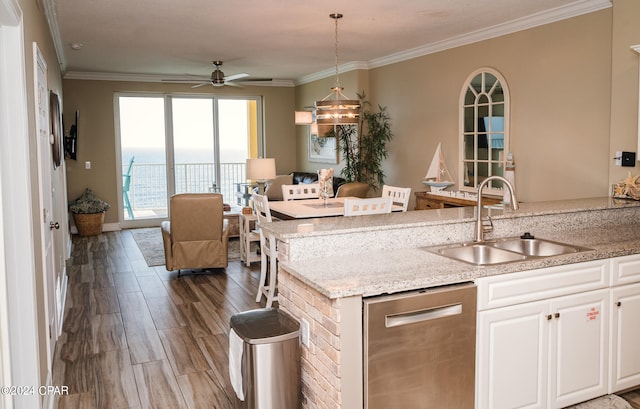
[88, 203]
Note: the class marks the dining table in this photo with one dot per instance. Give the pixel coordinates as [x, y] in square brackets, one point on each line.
[311, 208]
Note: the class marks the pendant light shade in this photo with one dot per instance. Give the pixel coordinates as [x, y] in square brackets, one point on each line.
[336, 108]
[304, 117]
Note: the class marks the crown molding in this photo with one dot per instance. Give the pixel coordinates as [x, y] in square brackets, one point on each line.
[539, 19]
[54, 29]
[330, 72]
[110, 76]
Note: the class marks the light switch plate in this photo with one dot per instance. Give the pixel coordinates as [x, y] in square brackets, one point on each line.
[629, 159]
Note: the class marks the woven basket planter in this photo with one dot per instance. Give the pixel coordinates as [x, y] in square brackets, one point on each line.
[89, 224]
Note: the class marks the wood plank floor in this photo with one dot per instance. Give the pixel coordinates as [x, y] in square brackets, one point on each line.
[139, 337]
[633, 398]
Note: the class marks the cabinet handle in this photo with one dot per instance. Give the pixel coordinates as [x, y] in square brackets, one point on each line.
[549, 317]
[557, 315]
[618, 304]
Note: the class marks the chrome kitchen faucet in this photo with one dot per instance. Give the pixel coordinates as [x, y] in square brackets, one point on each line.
[480, 228]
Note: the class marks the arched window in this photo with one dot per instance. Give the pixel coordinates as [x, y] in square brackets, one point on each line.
[484, 129]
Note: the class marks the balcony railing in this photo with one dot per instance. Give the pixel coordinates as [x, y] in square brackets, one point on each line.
[148, 189]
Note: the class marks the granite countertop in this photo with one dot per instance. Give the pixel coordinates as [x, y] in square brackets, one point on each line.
[381, 272]
[290, 229]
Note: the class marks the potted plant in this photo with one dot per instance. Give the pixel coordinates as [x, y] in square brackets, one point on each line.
[365, 146]
[88, 213]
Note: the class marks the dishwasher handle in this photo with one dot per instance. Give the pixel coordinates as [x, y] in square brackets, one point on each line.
[405, 318]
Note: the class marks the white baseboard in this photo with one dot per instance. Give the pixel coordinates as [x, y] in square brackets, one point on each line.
[105, 227]
[48, 400]
[63, 295]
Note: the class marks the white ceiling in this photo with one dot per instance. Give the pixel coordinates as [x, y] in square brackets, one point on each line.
[281, 39]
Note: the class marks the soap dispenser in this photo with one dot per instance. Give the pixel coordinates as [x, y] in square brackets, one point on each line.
[510, 175]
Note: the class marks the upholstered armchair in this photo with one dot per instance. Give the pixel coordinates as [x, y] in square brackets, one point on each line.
[196, 237]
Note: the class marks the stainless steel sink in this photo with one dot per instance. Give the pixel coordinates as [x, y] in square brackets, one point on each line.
[536, 247]
[506, 250]
[480, 254]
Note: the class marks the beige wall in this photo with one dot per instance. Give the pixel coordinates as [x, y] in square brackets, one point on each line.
[96, 130]
[559, 76]
[353, 82]
[624, 84]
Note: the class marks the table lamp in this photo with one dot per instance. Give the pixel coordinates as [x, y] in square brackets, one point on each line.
[261, 170]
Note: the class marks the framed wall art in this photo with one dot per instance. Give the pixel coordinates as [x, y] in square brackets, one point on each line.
[323, 149]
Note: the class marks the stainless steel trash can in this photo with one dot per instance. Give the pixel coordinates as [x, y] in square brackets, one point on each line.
[270, 361]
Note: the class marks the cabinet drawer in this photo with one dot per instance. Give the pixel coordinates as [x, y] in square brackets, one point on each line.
[539, 284]
[625, 270]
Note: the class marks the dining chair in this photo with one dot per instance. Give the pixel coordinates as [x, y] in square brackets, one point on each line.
[353, 189]
[399, 195]
[301, 191]
[268, 252]
[372, 205]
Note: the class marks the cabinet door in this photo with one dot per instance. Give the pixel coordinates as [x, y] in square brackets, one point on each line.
[511, 367]
[625, 336]
[579, 348]
[625, 270]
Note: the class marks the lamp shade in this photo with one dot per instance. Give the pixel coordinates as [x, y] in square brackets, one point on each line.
[304, 117]
[261, 169]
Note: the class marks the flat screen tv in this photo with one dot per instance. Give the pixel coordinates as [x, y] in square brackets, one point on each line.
[71, 141]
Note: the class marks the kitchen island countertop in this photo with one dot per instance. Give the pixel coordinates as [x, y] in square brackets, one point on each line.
[406, 265]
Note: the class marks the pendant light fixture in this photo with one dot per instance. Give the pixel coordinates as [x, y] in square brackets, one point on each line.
[336, 108]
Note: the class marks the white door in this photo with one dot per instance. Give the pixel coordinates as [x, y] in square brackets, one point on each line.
[19, 337]
[512, 357]
[625, 336]
[47, 224]
[579, 348]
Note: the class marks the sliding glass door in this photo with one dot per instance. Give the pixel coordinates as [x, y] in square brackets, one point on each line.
[178, 144]
[194, 169]
[143, 157]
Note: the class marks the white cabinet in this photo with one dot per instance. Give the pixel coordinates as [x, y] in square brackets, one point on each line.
[625, 323]
[543, 337]
[544, 354]
[511, 357]
[625, 337]
[579, 348]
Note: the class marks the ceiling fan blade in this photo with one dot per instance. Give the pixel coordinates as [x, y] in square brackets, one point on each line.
[200, 85]
[233, 84]
[257, 80]
[236, 76]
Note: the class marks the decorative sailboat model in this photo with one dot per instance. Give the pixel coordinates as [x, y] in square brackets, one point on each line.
[438, 176]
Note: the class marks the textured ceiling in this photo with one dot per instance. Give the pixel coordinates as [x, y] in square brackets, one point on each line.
[280, 39]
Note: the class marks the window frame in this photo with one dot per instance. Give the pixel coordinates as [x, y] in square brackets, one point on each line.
[493, 188]
[260, 143]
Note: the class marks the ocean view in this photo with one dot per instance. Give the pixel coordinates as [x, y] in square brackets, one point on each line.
[194, 172]
[157, 156]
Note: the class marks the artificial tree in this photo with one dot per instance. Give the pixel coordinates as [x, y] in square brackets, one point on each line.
[364, 146]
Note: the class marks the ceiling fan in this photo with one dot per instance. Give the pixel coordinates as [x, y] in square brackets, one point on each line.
[218, 79]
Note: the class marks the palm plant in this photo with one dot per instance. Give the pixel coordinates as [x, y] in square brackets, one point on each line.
[364, 146]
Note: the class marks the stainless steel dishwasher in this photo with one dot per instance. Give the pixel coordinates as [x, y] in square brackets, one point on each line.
[419, 349]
